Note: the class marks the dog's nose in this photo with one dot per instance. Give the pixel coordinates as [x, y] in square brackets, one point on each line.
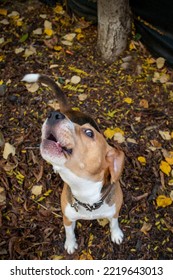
[55, 117]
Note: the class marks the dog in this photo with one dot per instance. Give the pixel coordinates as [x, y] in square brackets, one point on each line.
[88, 165]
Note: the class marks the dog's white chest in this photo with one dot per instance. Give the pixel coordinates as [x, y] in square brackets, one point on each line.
[105, 211]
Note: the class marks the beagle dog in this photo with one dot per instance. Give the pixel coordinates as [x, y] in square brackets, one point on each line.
[88, 165]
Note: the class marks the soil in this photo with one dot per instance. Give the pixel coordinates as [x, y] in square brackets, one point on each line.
[124, 95]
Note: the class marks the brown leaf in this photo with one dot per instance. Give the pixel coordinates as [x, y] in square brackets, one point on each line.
[146, 227]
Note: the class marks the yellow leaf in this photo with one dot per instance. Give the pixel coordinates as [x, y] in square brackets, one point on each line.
[1, 82]
[163, 201]
[165, 167]
[132, 46]
[118, 130]
[150, 60]
[172, 134]
[78, 30]
[111, 113]
[80, 36]
[169, 158]
[57, 48]
[19, 22]
[2, 57]
[59, 9]
[85, 256]
[109, 133]
[142, 160]
[128, 100]
[47, 193]
[3, 12]
[56, 257]
[103, 222]
[48, 32]
[79, 71]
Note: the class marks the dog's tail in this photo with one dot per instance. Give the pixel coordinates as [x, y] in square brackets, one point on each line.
[62, 100]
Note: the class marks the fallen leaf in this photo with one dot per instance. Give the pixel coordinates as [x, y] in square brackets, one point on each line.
[82, 96]
[59, 10]
[169, 158]
[2, 40]
[75, 80]
[103, 222]
[85, 256]
[119, 137]
[165, 135]
[8, 149]
[14, 14]
[37, 31]
[19, 50]
[47, 25]
[4, 21]
[44, 16]
[131, 140]
[56, 257]
[2, 139]
[23, 38]
[48, 32]
[163, 201]
[156, 143]
[57, 48]
[3, 12]
[144, 103]
[54, 104]
[156, 77]
[128, 100]
[142, 160]
[164, 78]
[69, 37]
[171, 195]
[167, 225]
[66, 43]
[146, 227]
[79, 37]
[30, 51]
[37, 190]
[52, 42]
[160, 61]
[78, 71]
[78, 30]
[165, 167]
[32, 87]
[2, 196]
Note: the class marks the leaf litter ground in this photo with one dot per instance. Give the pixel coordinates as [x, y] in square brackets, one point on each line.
[131, 100]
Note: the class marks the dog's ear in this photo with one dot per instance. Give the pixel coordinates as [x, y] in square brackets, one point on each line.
[115, 160]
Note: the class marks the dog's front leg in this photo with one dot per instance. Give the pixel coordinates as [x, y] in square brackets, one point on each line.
[116, 232]
[70, 242]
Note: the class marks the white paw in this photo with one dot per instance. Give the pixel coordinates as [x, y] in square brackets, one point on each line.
[117, 236]
[70, 246]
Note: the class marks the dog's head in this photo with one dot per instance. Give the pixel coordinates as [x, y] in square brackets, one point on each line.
[79, 147]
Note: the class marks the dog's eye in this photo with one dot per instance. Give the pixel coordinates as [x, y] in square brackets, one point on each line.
[89, 133]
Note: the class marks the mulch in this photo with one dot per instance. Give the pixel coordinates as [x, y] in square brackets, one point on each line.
[122, 95]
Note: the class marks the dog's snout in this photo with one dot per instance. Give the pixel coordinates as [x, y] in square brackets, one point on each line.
[55, 117]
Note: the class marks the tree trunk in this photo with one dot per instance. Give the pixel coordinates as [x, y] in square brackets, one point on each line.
[114, 25]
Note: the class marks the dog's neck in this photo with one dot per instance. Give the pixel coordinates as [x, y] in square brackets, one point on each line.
[84, 190]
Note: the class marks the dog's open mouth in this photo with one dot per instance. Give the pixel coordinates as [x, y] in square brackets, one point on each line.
[59, 145]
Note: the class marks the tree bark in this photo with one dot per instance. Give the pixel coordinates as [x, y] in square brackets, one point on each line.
[114, 24]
